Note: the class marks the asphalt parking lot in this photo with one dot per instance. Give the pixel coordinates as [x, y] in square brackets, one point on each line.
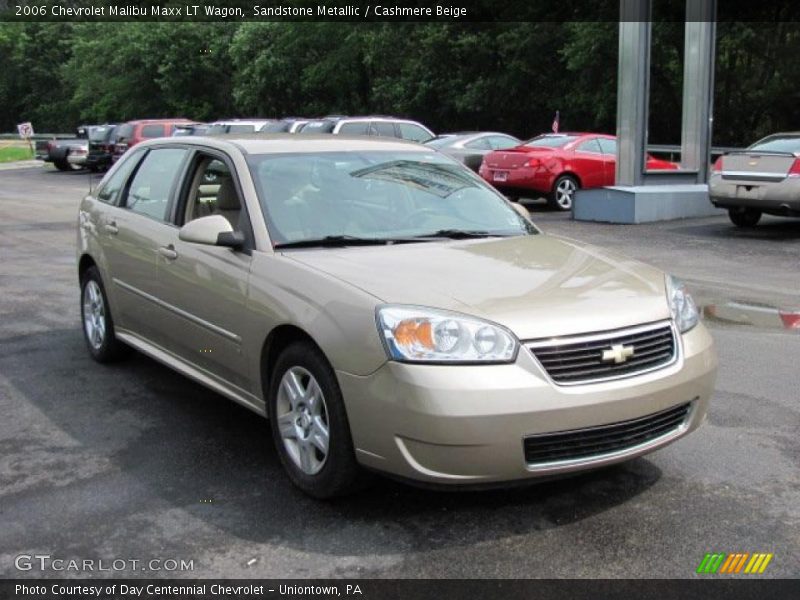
[134, 461]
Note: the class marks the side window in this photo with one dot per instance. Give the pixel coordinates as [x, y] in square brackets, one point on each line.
[591, 146]
[354, 128]
[148, 193]
[211, 191]
[382, 128]
[479, 144]
[501, 142]
[409, 131]
[109, 191]
[152, 131]
[608, 146]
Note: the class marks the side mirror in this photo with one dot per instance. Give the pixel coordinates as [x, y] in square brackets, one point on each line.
[213, 230]
[523, 212]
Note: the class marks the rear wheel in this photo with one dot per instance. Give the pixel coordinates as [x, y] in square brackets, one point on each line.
[563, 193]
[309, 423]
[98, 326]
[744, 217]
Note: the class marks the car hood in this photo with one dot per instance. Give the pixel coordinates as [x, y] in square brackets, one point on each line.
[537, 286]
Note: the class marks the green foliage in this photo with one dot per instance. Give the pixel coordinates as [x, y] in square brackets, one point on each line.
[452, 76]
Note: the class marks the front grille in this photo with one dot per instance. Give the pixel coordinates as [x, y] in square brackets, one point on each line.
[579, 359]
[594, 442]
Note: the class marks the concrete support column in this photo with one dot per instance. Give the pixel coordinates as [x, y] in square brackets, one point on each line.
[633, 90]
[698, 86]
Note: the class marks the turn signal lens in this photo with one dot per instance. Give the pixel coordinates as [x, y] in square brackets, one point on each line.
[414, 334]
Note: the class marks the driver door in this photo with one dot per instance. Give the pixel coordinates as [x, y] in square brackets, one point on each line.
[207, 286]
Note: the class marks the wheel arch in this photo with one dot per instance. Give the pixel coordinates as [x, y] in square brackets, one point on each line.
[570, 173]
[280, 338]
[84, 264]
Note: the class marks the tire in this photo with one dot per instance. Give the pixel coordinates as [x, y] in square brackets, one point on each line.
[299, 414]
[62, 165]
[744, 217]
[563, 193]
[96, 320]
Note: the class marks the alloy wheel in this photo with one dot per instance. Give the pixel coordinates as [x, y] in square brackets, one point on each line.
[302, 417]
[565, 192]
[94, 314]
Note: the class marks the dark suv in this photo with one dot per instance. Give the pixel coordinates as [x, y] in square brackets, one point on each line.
[101, 146]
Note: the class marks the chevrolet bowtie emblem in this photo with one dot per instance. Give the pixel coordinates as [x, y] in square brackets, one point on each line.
[617, 353]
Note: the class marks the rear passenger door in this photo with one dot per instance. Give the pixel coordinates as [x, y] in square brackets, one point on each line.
[205, 287]
[134, 234]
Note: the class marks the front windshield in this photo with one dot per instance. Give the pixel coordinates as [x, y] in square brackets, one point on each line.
[377, 195]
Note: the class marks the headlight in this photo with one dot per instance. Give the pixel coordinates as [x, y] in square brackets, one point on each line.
[682, 305]
[414, 334]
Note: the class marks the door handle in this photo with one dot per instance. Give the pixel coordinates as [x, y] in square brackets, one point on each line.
[168, 252]
[111, 227]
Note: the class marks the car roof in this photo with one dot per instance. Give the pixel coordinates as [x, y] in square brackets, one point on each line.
[241, 121]
[158, 121]
[282, 143]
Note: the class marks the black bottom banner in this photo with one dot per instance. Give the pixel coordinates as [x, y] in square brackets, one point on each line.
[400, 589]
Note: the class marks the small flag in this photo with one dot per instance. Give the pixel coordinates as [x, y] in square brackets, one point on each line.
[556, 122]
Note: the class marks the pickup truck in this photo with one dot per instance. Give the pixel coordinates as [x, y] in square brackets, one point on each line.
[58, 150]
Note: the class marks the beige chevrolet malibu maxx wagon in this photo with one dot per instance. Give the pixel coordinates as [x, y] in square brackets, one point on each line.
[386, 310]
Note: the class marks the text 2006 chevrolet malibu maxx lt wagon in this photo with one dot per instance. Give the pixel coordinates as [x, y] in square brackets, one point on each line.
[386, 309]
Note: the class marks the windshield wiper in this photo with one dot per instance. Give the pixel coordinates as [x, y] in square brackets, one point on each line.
[460, 234]
[333, 241]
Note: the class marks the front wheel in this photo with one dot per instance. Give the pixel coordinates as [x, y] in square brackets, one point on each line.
[744, 217]
[309, 423]
[563, 193]
[98, 326]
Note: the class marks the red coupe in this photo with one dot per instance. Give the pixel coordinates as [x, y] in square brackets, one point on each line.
[557, 164]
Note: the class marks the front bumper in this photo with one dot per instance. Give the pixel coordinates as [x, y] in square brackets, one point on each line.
[466, 424]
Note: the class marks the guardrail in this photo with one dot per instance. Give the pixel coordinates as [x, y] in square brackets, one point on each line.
[37, 136]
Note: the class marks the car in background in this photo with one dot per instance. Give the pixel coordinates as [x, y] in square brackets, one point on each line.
[133, 132]
[556, 165]
[376, 126]
[190, 129]
[237, 126]
[764, 178]
[57, 150]
[386, 309]
[100, 148]
[470, 147]
[285, 125]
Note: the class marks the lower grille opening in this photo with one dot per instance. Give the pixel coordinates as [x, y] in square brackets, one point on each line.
[603, 439]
